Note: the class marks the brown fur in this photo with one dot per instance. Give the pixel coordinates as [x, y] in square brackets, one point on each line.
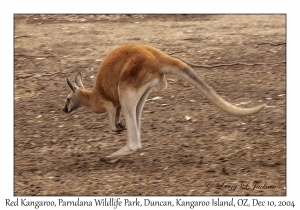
[124, 80]
[130, 65]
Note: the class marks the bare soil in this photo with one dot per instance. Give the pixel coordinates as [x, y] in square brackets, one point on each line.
[190, 147]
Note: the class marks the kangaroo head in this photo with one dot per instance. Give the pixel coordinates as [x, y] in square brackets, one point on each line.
[73, 99]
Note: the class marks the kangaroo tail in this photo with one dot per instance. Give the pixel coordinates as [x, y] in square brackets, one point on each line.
[186, 72]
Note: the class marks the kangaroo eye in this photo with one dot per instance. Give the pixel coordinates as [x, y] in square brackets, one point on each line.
[68, 99]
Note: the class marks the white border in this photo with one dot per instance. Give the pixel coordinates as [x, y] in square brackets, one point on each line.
[154, 6]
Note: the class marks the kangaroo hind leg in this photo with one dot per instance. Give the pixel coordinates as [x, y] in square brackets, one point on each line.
[132, 101]
[129, 100]
[140, 106]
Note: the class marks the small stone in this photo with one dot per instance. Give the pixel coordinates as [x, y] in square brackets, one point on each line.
[223, 159]
[212, 168]
[187, 118]
[155, 98]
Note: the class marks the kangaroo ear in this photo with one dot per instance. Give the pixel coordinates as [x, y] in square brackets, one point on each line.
[78, 80]
[72, 86]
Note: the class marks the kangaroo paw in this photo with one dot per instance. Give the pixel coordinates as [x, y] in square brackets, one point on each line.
[120, 127]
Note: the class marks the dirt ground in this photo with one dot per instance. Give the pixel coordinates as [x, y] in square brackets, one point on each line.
[190, 147]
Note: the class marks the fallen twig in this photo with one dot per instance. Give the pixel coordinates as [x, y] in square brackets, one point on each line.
[273, 44]
[23, 76]
[228, 64]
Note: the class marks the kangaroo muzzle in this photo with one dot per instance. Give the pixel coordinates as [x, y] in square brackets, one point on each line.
[65, 109]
